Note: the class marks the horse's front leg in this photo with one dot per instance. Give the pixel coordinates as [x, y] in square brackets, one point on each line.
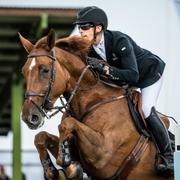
[67, 153]
[44, 141]
[89, 140]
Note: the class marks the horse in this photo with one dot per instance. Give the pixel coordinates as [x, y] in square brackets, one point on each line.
[96, 133]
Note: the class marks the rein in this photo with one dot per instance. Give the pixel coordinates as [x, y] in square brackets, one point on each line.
[67, 105]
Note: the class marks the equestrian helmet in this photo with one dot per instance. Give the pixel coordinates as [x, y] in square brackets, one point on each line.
[92, 14]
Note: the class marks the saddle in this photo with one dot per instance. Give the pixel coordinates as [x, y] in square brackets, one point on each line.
[135, 100]
[135, 106]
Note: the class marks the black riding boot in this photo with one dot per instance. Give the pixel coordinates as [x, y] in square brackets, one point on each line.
[161, 137]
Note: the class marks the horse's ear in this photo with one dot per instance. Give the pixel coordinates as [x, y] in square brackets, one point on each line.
[26, 43]
[51, 39]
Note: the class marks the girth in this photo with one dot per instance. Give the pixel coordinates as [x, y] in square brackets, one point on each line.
[132, 160]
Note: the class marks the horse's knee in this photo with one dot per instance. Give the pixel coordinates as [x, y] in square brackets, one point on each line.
[40, 139]
[68, 124]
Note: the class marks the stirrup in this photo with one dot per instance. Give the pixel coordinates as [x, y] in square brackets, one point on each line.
[162, 166]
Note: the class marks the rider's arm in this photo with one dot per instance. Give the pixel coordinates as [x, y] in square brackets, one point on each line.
[128, 72]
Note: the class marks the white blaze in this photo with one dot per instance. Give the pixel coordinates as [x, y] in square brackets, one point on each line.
[33, 63]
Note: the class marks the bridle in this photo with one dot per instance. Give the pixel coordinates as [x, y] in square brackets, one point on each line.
[46, 96]
[51, 80]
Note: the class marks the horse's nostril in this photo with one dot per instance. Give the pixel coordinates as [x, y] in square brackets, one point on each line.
[34, 119]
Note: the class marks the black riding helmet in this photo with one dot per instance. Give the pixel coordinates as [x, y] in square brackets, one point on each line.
[92, 14]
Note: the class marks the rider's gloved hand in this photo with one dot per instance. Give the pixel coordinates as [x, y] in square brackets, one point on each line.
[95, 64]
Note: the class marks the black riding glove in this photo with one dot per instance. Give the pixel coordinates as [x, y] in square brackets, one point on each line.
[96, 64]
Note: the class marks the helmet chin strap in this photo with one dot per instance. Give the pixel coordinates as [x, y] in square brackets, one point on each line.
[95, 35]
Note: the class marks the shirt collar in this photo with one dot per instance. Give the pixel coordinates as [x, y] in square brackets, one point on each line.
[101, 43]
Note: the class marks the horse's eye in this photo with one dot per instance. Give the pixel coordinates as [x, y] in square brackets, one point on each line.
[44, 71]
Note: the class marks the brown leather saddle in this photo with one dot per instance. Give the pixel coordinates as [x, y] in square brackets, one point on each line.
[136, 98]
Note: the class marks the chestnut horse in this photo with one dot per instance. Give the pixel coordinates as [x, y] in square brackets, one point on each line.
[98, 130]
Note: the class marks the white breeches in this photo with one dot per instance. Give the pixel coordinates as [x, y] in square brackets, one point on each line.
[150, 95]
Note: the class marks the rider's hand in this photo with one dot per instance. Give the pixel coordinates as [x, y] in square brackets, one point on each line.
[95, 64]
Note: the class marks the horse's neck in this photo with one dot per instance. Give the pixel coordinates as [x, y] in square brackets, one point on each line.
[75, 66]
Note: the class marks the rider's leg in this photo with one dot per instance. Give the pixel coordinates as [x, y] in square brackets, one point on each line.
[156, 126]
[149, 96]
[162, 139]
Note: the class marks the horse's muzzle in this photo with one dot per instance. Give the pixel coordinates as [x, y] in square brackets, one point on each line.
[31, 115]
[33, 121]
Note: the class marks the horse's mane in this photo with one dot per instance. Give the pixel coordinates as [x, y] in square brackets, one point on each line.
[75, 45]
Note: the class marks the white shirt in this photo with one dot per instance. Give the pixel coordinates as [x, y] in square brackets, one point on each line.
[100, 48]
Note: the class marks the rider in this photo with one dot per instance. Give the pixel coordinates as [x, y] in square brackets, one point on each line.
[127, 63]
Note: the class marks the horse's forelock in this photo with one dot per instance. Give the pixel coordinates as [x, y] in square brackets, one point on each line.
[74, 44]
